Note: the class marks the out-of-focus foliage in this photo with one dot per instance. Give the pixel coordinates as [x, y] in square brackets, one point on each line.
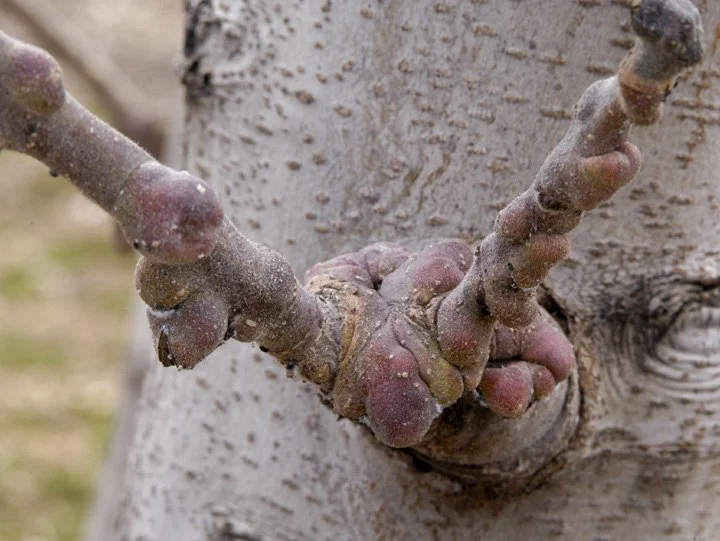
[64, 290]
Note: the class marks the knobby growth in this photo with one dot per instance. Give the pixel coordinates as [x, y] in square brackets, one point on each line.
[394, 339]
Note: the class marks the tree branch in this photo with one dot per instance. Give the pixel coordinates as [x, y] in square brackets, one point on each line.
[589, 165]
[396, 340]
[245, 291]
[226, 286]
[167, 215]
[123, 100]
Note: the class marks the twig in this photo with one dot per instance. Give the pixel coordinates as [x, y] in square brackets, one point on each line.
[167, 215]
[203, 280]
[123, 100]
[592, 161]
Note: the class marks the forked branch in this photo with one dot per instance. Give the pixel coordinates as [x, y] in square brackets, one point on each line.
[392, 338]
[590, 164]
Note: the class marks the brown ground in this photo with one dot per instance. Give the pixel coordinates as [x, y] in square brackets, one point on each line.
[65, 292]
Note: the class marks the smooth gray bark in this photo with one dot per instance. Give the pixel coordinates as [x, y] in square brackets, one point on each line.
[324, 126]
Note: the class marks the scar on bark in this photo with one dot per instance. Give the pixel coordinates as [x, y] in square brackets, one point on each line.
[392, 338]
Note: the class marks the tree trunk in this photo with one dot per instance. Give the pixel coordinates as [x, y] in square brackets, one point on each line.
[327, 125]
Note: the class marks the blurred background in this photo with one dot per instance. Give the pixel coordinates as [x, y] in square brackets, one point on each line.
[65, 282]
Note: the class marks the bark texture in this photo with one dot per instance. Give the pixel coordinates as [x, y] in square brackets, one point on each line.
[324, 126]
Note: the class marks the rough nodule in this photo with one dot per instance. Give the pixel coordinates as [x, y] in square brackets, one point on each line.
[173, 213]
[34, 79]
[670, 34]
[402, 342]
[393, 372]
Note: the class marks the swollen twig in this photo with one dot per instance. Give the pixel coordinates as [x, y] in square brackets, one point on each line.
[589, 165]
[167, 215]
[122, 99]
[244, 291]
[199, 273]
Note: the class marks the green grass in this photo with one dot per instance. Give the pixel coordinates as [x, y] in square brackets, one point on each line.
[77, 254]
[17, 283]
[25, 350]
[64, 299]
[110, 301]
[57, 502]
[44, 189]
